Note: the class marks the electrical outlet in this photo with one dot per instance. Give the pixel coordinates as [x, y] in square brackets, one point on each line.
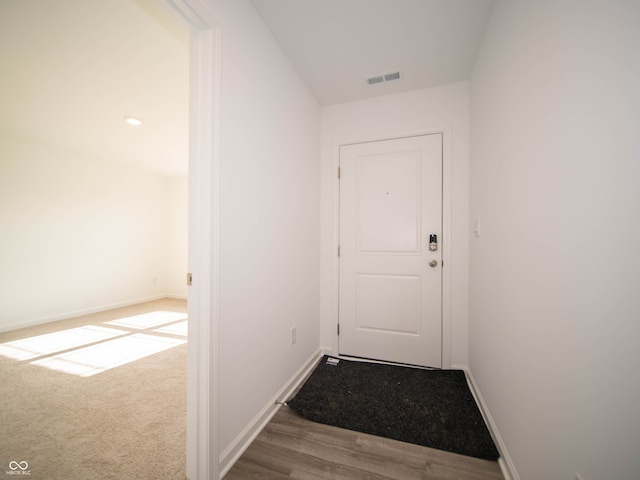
[293, 335]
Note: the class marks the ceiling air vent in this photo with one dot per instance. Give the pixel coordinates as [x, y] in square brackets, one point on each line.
[384, 78]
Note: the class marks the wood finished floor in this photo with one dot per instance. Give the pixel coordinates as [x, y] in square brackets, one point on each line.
[292, 447]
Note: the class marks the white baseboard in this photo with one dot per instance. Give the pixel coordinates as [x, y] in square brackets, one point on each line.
[78, 313]
[233, 452]
[506, 464]
[177, 296]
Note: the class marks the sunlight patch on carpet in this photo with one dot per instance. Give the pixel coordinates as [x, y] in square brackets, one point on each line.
[91, 349]
[105, 356]
[33, 347]
[181, 328]
[148, 320]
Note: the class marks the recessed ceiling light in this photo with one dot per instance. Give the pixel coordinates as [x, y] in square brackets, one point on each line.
[133, 121]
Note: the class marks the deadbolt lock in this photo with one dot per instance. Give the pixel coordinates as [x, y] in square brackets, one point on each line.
[433, 243]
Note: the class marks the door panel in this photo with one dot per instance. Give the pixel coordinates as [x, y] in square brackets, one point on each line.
[390, 297]
[388, 303]
[387, 217]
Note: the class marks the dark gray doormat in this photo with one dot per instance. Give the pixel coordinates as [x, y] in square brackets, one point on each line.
[433, 408]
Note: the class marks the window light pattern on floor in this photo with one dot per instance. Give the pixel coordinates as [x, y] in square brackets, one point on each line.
[148, 320]
[91, 349]
[34, 347]
[175, 329]
[105, 356]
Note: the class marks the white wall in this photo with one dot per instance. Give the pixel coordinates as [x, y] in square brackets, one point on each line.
[381, 117]
[555, 275]
[269, 225]
[78, 234]
[177, 248]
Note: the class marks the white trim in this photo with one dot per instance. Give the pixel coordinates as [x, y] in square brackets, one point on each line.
[506, 463]
[447, 254]
[204, 219]
[238, 446]
[446, 230]
[78, 313]
[177, 296]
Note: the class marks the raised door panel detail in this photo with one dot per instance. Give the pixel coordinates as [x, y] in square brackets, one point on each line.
[388, 203]
[389, 303]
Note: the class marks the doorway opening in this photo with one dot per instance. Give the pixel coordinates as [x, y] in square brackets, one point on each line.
[204, 219]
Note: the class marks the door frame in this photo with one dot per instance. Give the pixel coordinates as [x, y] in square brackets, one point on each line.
[446, 231]
[204, 218]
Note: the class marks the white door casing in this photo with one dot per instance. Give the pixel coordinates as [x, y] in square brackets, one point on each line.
[390, 297]
[204, 190]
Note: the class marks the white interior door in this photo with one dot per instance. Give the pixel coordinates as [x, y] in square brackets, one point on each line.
[390, 305]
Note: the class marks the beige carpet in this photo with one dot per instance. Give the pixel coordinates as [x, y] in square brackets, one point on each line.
[124, 422]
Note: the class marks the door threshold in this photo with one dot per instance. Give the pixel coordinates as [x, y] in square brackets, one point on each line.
[383, 362]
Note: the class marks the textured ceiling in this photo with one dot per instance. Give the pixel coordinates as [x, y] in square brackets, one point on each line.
[336, 44]
[72, 69]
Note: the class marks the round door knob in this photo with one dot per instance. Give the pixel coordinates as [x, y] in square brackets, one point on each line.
[433, 263]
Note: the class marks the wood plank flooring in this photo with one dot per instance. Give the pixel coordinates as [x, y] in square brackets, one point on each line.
[292, 447]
